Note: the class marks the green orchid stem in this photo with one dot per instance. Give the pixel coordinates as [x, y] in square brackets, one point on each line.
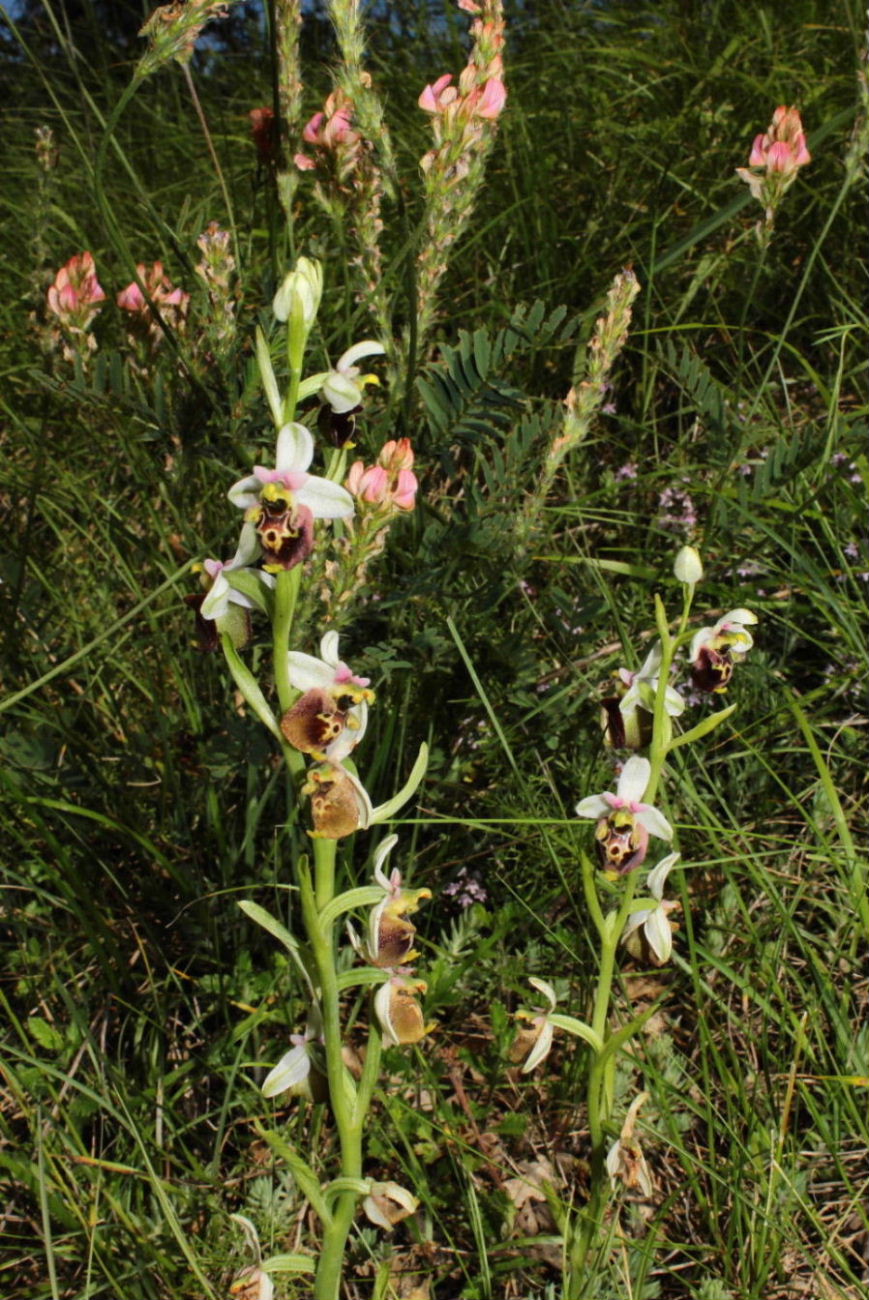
[286, 594]
[601, 1075]
[342, 1091]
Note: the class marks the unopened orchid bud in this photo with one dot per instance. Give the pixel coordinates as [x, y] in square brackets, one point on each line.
[688, 567]
[300, 292]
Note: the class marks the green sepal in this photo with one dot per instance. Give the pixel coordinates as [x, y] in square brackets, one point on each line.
[361, 1186]
[301, 1171]
[254, 588]
[578, 1028]
[703, 728]
[279, 932]
[308, 387]
[269, 382]
[289, 1264]
[364, 896]
[247, 684]
[386, 810]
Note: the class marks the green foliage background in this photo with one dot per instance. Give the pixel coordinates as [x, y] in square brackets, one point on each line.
[139, 804]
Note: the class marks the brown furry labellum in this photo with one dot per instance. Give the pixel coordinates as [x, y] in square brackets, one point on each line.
[621, 841]
[314, 722]
[712, 670]
[286, 530]
[406, 1020]
[336, 806]
[395, 938]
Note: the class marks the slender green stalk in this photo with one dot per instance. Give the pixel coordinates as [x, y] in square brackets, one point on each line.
[286, 594]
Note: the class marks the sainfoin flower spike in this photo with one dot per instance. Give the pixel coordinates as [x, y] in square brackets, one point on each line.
[624, 822]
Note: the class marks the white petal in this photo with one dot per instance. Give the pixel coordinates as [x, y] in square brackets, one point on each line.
[613, 1162]
[544, 987]
[380, 856]
[367, 348]
[659, 873]
[329, 648]
[375, 1215]
[674, 705]
[740, 616]
[291, 1069]
[540, 1050]
[654, 821]
[325, 499]
[634, 779]
[295, 449]
[634, 921]
[699, 640]
[382, 1000]
[594, 805]
[308, 673]
[341, 393]
[659, 935]
[215, 603]
[248, 548]
[651, 663]
[246, 492]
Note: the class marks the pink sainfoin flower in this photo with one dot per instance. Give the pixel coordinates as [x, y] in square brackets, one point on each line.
[783, 147]
[336, 145]
[390, 484]
[172, 303]
[774, 162]
[465, 101]
[76, 295]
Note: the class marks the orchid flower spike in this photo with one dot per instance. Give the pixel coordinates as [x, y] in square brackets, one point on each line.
[624, 822]
[657, 936]
[330, 719]
[282, 503]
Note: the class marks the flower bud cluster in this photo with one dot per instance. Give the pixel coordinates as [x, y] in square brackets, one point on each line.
[74, 298]
[337, 147]
[173, 30]
[172, 304]
[388, 485]
[775, 159]
[217, 272]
